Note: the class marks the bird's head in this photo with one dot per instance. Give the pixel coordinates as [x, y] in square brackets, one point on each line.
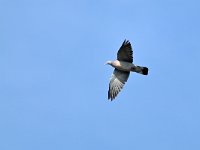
[108, 62]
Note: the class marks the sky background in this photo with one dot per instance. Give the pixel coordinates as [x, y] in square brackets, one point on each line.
[53, 81]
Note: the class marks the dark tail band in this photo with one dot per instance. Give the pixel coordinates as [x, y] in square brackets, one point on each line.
[145, 71]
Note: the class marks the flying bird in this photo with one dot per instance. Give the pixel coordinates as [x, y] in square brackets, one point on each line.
[123, 66]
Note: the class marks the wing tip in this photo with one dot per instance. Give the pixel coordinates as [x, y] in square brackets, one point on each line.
[110, 96]
[126, 42]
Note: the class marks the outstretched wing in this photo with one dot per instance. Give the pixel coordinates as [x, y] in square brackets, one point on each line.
[117, 82]
[125, 52]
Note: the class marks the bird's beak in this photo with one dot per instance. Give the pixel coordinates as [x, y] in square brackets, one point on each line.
[105, 63]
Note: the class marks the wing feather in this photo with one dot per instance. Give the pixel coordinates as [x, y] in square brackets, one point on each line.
[125, 53]
[117, 82]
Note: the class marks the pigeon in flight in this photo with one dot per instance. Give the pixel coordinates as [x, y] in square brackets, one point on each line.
[123, 66]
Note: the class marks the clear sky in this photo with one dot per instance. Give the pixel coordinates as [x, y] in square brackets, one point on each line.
[53, 81]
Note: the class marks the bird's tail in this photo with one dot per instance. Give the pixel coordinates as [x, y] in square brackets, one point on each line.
[141, 70]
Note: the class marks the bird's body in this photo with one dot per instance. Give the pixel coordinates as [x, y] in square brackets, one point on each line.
[123, 66]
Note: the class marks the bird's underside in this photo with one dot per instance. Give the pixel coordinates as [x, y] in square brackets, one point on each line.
[123, 66]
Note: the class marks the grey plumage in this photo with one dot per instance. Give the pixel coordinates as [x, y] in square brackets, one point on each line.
[123, 65]
[117, 82]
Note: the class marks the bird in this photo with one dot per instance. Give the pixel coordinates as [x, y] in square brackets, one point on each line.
[123, 65]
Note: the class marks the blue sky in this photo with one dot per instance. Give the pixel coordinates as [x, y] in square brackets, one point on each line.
[53, 81]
